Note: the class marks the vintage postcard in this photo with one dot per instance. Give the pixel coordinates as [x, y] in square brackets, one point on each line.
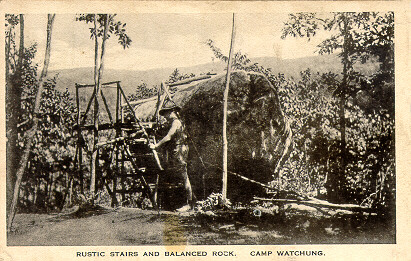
[205, 130]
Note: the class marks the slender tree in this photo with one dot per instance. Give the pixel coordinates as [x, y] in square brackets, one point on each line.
[30, 134]
[104, 26]
[98, 74]
[13, 90]
[227, 87]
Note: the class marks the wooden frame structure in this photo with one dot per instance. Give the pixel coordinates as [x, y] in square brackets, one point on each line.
[123, 136]
[128, 143]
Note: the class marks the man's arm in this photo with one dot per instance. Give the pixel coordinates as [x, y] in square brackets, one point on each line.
[174, 127]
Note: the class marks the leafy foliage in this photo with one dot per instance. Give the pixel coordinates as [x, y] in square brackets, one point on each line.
[359, 37]
[52, 159]
[142, 91]
[214, 201]
[240, 61]
[311, 103]
[116, 28]
[26, 84]
[50, 166]
[312, 111]
[11, 21]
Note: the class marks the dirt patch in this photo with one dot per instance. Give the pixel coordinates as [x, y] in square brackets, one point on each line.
[126, 226]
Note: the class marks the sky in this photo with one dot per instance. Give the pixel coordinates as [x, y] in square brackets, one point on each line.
[167, 40]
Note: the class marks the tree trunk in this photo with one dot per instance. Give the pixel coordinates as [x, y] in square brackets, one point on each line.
[21, 45]
[70, 194]
[67, 193]
[13, 90]
[343, 100]
[50, 190]
[94, 161]
[36, 191]
[32, 131]
[225, 142]
[339, 181]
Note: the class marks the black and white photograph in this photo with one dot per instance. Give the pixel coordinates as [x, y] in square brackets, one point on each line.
[224, 128]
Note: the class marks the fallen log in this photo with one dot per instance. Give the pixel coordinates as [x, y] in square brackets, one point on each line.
[183, 82]
[319, 203]
[190, 80]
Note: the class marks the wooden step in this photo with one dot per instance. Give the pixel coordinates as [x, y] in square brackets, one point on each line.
[148, 174]
[129, 191]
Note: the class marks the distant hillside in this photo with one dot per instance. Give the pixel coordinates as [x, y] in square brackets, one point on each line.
[131, 78]
[67, 78]
[319, 63]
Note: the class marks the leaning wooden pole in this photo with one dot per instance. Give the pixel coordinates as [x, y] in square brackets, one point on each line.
[227, 86]
[30, 134]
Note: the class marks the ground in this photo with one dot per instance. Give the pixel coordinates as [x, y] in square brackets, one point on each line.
[128, 226]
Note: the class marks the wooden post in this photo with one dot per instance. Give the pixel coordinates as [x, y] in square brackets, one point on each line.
[118, 134]
[123, 155]
[160, 101]
[79, 146]
[227, 86]
[106, 105]
[83, 120]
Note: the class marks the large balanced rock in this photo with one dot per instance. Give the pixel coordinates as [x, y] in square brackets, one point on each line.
[258, 133]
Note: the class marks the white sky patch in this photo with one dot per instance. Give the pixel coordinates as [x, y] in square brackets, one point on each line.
[65, 55]
[167, 40]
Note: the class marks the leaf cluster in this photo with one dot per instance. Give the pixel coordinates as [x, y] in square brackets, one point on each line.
[358, 34]
[115, 28]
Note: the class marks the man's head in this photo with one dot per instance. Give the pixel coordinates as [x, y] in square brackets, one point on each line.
[168, 111]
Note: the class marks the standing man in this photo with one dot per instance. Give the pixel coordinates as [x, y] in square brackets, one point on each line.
[176, 144]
